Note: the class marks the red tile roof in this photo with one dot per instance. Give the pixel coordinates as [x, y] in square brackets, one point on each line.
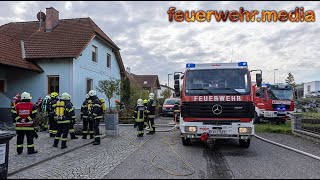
[152, 80]
[68, 38]
[11, 54]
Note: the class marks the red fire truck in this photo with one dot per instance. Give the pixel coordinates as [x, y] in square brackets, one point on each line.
[216, 102]
[273, 103]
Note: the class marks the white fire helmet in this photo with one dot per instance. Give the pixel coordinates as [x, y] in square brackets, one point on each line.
[151, 96]
[140, 102]
[65, 96]
[92, 93]
[87, 96]
[25, 95]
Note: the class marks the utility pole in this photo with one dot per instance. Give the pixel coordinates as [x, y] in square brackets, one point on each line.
[168, 79]
[274, 76]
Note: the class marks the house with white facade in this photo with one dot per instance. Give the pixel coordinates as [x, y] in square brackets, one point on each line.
[164, 87]
[55, 55]
[310, 87]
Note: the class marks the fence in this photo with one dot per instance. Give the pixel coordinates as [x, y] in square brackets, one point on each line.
[305, 126]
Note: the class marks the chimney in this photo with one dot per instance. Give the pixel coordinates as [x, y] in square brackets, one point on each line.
[128, 70]
[52, 19]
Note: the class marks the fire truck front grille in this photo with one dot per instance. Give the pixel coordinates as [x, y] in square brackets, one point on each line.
[229, 109]
[274, 106]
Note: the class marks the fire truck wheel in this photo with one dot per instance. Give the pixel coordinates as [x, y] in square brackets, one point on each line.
[256, 118]
[244, 143]
[186, 141]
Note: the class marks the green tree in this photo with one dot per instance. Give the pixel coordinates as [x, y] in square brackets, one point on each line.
[110, 88]
[166, 93]
[144, 94]
[290, 80]
[125, 90]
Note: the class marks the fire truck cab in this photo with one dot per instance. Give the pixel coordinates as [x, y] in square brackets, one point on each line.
[273, 103]
[216, 102]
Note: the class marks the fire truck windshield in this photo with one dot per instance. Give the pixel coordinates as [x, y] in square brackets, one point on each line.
[284, 94]
[217, 81]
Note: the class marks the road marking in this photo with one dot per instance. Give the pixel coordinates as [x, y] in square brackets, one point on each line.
[289, 148]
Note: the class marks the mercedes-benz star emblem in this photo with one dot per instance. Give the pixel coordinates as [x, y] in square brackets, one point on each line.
[217, 109]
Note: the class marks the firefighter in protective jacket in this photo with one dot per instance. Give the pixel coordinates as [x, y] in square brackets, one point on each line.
[139, 116]
[176, 112]
[145, 104]
[64, 115]
[24, 114]
[151, 110]
[96, 114]
[51, 113]
[71, 128]
[85, 109]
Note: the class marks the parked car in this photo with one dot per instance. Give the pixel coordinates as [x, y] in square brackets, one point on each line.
[313, 94]
[167, 108]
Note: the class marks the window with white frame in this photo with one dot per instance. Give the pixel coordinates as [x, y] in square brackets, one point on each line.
[108, 60]
[94, 53]
[89, 84]
[53, 84]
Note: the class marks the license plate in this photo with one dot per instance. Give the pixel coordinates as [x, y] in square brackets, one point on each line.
[281, 112]
[217, 131]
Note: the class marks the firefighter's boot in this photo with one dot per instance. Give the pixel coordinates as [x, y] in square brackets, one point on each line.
[91, 136]
[73, 136]
[84, 135]
[63, 144]
[31, 150]
[55, 143]
[96, 141]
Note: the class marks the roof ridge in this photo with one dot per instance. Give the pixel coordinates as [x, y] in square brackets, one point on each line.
[113, 43]
[38, 21]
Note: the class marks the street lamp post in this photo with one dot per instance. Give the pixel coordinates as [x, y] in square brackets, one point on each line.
[168, 79]
[274, 76]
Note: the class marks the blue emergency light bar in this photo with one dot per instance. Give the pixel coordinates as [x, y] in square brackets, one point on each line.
[242, 64]
[190, 65]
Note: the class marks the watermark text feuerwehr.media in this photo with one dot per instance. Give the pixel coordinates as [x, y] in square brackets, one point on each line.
[299, 14]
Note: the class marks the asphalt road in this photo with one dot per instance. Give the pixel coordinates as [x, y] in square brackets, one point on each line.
[224, 161]
[163, 156]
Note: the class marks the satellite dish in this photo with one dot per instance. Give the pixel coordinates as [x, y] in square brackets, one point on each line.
[41, 16]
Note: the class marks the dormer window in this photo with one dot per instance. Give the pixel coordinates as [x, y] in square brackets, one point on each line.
[145, 82]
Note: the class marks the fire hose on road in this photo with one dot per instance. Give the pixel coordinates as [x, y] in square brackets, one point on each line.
[289, 148]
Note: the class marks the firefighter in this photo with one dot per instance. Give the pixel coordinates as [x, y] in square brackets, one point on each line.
[139, 116]
[151, 110]
[145, 104]
[51, 114]
[24, 114]
[71, 127]
[45, 108]
[96, 114]
[85, 108]
[15, 100]
[64, 114]
[104, 111]
[39, 104]
[176, 112]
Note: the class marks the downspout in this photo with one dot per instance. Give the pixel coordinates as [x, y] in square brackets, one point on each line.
[71, 85]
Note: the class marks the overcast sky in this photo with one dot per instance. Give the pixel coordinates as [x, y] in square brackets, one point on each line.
[150, 44]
